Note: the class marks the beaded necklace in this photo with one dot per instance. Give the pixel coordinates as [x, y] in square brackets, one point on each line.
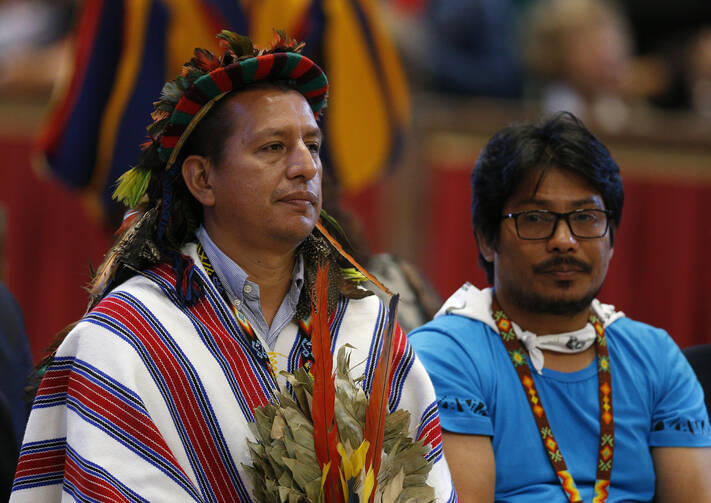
[303, 335]
[517, 353]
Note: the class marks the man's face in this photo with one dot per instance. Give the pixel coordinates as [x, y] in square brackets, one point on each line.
[267, 189]
[559, 275]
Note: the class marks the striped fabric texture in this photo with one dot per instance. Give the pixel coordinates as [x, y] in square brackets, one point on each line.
[149, 401]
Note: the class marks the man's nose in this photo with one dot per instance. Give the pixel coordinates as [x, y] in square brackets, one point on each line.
[303, 162]
[562, 238]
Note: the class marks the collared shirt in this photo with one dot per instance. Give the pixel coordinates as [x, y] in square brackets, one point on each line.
[244, 294]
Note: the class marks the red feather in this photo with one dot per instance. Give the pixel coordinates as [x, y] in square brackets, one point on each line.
[324, 391]
[379, 394]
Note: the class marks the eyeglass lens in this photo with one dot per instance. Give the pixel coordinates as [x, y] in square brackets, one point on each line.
[542, 224]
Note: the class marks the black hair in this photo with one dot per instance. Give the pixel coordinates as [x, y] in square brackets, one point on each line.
[560, 140]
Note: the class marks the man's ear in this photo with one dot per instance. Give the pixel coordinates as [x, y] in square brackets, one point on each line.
[196, 173]
[485, 248]
[613, 234]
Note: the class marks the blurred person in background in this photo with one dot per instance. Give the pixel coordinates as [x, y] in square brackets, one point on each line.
[472, 47]
[698, 73]
[579, 54]
[461, 47]
[666, 35]
[545, 393]
[419, 300]
[15, 367]
[31, 52]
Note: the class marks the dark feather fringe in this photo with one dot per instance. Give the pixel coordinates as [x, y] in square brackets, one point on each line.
[166, 202]
[315, 248]
[187, 279]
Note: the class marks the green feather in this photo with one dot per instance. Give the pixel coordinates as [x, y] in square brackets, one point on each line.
[353, 274]
[131, 186]
[335, 229]
[171, 92]
[240, 44]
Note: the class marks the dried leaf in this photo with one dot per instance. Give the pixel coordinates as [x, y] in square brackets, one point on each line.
[284, 462]
[303, 472]
[392, 489]
[277, 431]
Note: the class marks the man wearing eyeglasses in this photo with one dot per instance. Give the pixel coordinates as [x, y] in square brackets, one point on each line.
[545, 393]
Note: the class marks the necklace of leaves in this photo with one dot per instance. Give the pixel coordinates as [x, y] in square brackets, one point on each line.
[306, 356]
[517, 353]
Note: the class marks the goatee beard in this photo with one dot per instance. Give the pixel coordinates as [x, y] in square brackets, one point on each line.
[535, 303]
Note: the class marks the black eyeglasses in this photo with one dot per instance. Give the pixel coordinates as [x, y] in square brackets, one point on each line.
[541, 224]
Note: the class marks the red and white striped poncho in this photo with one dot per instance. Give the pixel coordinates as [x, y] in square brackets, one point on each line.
[150, 401]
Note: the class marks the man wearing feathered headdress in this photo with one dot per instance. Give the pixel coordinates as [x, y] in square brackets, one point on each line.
[207, 297]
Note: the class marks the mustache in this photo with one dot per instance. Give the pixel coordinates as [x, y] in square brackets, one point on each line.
[559, 261]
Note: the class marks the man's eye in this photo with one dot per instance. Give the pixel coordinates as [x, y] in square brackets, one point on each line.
[534, 218]
[584, 217]
[314, 147]
[273, 147]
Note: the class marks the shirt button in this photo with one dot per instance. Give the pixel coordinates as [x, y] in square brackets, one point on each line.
[237, 302]
[247, 289]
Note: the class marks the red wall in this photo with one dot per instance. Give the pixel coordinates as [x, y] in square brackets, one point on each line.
[50, 245]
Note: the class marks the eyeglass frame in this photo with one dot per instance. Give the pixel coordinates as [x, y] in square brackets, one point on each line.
[558, 216]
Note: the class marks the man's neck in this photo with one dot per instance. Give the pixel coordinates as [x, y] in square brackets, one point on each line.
[543, 323]
[273, 274]
[269, 268]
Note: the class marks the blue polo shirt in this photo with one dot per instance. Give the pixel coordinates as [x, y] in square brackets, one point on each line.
[657, 402]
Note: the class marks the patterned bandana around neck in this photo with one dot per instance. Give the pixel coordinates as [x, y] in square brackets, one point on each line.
[568, 342]
[517, 353]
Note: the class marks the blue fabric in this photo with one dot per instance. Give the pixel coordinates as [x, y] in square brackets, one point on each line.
[15, 362]
[478, 38]
[15, 367]
[657, 401]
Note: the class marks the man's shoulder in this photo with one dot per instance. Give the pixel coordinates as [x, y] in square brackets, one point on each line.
[145, 292]
[453, 333]
[637, 341]
[368, 306]
[455, 325]
[626, 328]
[142, 284]
[357, 313]
[466, 313]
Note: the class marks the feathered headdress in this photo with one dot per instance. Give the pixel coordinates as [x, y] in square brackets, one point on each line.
[206, 79]
[183, 103]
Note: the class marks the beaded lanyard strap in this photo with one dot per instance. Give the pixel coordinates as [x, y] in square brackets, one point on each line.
[303, 336]
[517, 353]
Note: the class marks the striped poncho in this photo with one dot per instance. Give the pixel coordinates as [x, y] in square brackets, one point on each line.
[147, 400]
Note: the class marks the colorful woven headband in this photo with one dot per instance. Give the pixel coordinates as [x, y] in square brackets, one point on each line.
[204, 81]
[308, 79]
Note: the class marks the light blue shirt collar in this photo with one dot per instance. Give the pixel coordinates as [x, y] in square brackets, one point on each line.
[243, 294]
